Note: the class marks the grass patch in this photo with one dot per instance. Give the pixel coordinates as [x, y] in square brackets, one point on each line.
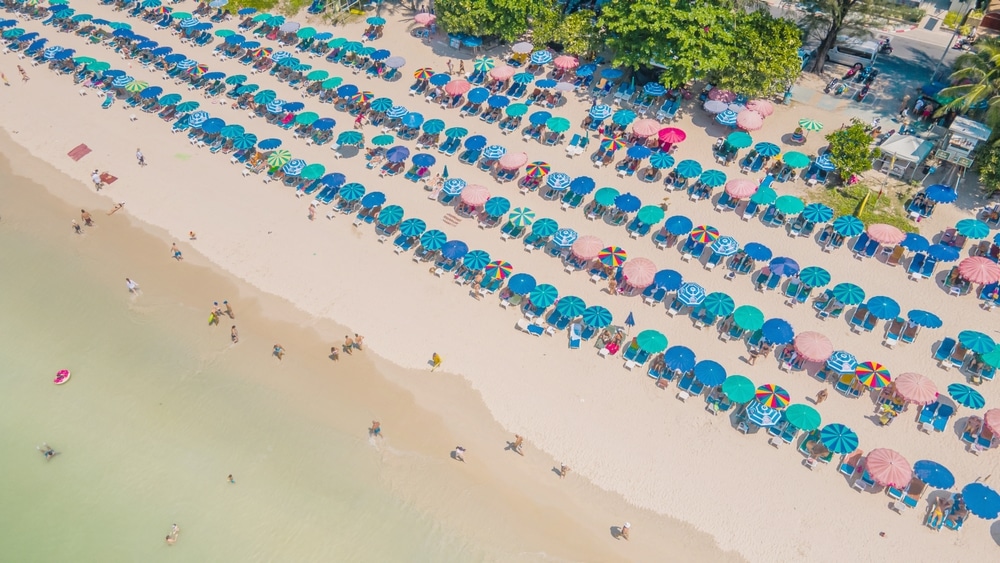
[845, 201]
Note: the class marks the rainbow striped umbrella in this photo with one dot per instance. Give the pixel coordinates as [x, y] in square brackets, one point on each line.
[771, 395]
[362, 97]
[613, 256]
[704, 234]
[423, 74]
[612, 143]
[537, 169]
[498, 270]
[198, 70]
[872, 374]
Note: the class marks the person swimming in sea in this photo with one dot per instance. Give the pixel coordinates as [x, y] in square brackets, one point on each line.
[47, 451]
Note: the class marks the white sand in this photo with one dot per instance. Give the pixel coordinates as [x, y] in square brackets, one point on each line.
[612, 426]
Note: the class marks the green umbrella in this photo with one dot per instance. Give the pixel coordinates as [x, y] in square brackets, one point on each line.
[992, 358]
[318, 75]
[557, 124]
[313, 172]
[810, 124]
[651, 341]
[258, 18]
[739, 140]
[789, 205]
[136, 86]
[185, 15]
[748, 317]
[383, 140]
[306, 32]
[764, 196]
[650, 214]
[279, 157]
[718, 304]
[306, 118]
[606, 196]
[224, 32]
[337, 42]
[331, 83]
[521, 217]
[98, 66]
[795, 159]
[739, 389]
[972, 228]
[516, 110]
[84, 60]
[543, 295]
[848, 293]
[814, 276]
[803, 417]
[483, 64]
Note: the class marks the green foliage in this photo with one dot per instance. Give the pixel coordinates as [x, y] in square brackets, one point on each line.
[505, 19]
[577, 33]
[988, 166]
[763, 55]
[850, 149]
[845, 200]
[259, 5]
[978, 76]
[951, 19]
[689, 39]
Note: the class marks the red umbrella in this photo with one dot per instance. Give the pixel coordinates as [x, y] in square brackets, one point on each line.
[916, 388]
[672, 135]
[740, 188]
[979, 269]
[502, 72]
[457, 87]
[586, 247]
[475, 195]
[885, 234]
[992, 419]
[721, 95]
[566, 62]
[513, 160]
[763, 107]
[749, 120]
[645, 127]
[639, 272]
[888, 468]
[813, 346]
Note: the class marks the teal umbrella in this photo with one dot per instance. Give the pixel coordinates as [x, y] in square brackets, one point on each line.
[350, 138]
[306, 32]
[496, 206]
[245, 141]
[413, 227]
[456, 132]
[320, 74]
[803, 417]
[232, 131]
[433, 126]
[557, 124]
[336, 42]
[516, 110]
[381, 104]
[351, 192]
[739, 389]
[236, 79]
[476, 259]
[688, 168]
[651, 341]
[718, 304]
[972, 228]
[185, 107]
[713, 178]
[795, 159]
[383, 140]
[764, 196]
[966, 396]
[848, 226]
[650, 214]
[976, 341]
[521, 217]
[848, 293]
[265, 96]
[739, 140]
[543, 295]
[814, 276]
[571, 306]
[789, 204]
[306, 118]
[544, 227]
[170, 99]
[391, 215]
[817, 213]
[331, 83]
[838, 438]
[748, 317]
[597, 316]
[661, 160]
[433, 239]
[606, 196]
[313, 172]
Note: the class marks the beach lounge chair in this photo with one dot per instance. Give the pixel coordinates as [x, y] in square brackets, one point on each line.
[944, 351]
[858, 248]
[895, 256]
[857, 320]
[851, 464]
[985, 439]
[893, 332]
[864, 483]
[927, 415]
[750, 211]
[940, 421]
[574, 336]
[531, 328]
[916, 265]
[957, 358]
[674, 307]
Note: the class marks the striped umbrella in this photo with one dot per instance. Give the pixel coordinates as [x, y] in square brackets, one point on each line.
[848, 293]
[453, 186]
[976, 341]
[661, 160]
[433, 240]
[688, 168]
[395, 112]
[767, 149]
[612, 144]
[521, 217]
[544, 227]
[966, 396]
[810, 124]
[972, 228]
[704, 234]
[601, 111]
[413, 227]
[571, 306]
[718, 304]
[771, 395]
[279, 157]
[391, 215]
[484, 64]
[727, 118]
[725, 246]
[541, 57]
[476, 260]
[352, 192]
[842, 362]
[872, 374]
[814, 276]
[712, 178]
[597, 316]
[245, 141]
[838, 438]
[848, 226]
[691, 294]
[564, 238]
[538, 169]
[762, 415]
[817, 213]
[543, 295]
[423, 74]
[496, 206]
[558, 180]
[613, 256]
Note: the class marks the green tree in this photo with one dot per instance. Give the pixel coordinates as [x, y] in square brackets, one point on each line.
[577, 33]
[977, 74]
[763, 57]
[463, 16]
[688, 39]
[988, 166]
[506, 19]
[830, 18]
[851, 149]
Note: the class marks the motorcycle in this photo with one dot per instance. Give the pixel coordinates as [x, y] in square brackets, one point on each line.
[885, 46]
[862, 93]
[871, 77]
[963, 44]
[854, 70]
[831, 85]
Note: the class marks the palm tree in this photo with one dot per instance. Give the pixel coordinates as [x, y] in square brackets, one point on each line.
[977, 75]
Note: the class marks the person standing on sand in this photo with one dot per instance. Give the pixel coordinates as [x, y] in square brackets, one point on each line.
[229, 310]
[348, 344]
[86, 218]
[235, 334]
[460, 453]
[140, 157]
[376, 429]
[176, 252]
[24, 75]
[132, 286]
[450, 67]
[821, 396]
[435, 361]
[461, 68]
[77, 228]
[623, 533]
[563, 470]
[312, 211]
[358, 341]
[518, 443]
[334, 353]
[231, 480]
[278, 351]
[95, 176]
[4, 78]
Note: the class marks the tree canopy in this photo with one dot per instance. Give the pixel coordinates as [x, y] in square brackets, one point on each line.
[763, 55]
[830, 18]
[988, 165]
[577, 33]
[977, 75]
[505, 19]
[850, 149]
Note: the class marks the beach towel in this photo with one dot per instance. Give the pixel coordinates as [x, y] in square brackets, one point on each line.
[78, 152]
[108, 178]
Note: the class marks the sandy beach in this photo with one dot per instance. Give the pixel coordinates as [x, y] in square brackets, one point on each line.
[691, 486]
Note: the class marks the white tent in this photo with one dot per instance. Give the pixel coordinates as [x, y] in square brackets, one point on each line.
[906, 147]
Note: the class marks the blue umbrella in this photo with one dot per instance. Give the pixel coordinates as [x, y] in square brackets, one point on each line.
[882, 307]
[966, 396]
[397, 154]
[544, 227]
[564, 237]
[433, 240]
[915, 242]
[413, 227]
[842, 362]
[762, 415]
[269, 144]
[924, 319]
[981, 500]
[122, 81]
[838, 438]
[767, 149]
[150, 92]
[601, 111]
[848, 226]
[294, 167]
[493, 152]
[679, 225]
[597, 316]
[396, 112]
[333, 179]
[777, 331]
[235, 40]
[757, 251]
[612, 73]
[423, 159]
[582, 185]
[543, 295]
[496, 206]
[476, 259]
[373, 199]
[725, 246]
[689, 168]
[381, 104]
[454, 249]
[586, 70]
[558, 181]
[453, 186]
[213, 76]
[189, 22]
[784, 266]
[498, 101]
[347, 90]
[709, 373]
[412, 119]
[817, 213]
[478, 95]
[941, 193]
[521, 284]
[213, 125]
[546, 83]
[275, 106]
[727, 118]
[541, 57]
[824, 163]
[433, 126]
[440, 79]
[691, 294]
[324, 124]
[351, 192]
[943, 252]
[475, 142]
[679, 358]
[161, 51]
[247, 11]
[379, 55]
[639, 152]
[934, 474]
[669, 280]
[539, 117]
[628, 203]
[293, 106]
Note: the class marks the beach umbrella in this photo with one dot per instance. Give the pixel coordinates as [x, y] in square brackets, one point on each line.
[538, 169]
[772, 395]
[476, 260]
[991, 359]
[558, 124]
[136, 86]
[824, 163]
[842, 362]
[981, 500]
[391, 215]
[484, 64]
[362, 97]
[539, 117]
[541, 57]
[882, 307]
[347, 90]
[673, 135]
[524, 78]
[972, 228]
[454, 250]
[814, 276]
[433, 240]
[623, 117]
[651, 341]
[678, 225]
[566, 62]
[601, 111]
[564, 237]
[888, 468]
[558, 181]
[352, 192]
[628, 203]
[350, 138]
[848, 293]
[885, 234]
[915, 242]
[276, 106]
[570, 306]
[712, 178]
[521, 217]
[150, 92]
[396, 112]
[749, 120]
[375, 20]
[294, 167]
[423, 74]
[727, 117]
[709, 373]
[940, 193]
[198, 118]
[784, 266]
[496, 206]
[424, 160]
[606, 196]
[638, 152]
[457, 87]
[715, 106]
[795, 159]
[268, 144]
[544, 295]
[306, 118]
[513, 160]
[704, 234]
[646, 127]
[979, 269]
[521, 284]
[587, 247]
[478, 95]
[516, 110]
[433, 126]
[639, 272]
[261, 17]
[762, 415]
[232, 131]
[397, 154]
[992, 419]
[522, 48]
[718, 304]
[924, 319]
[872, 374]
[976, 341]
[661, 160]
[916, 388]
[739, 140]
[817, 213]
[502, 72]
[763, 107]
[316, 171]
[453, 186]
[813, 346]
[688, 168]
[265, 97]
[803, 417]
[739, 389]
[475, 195]
[725, 246]
[650, 214]
[213, 126]
[395, 62]
[544, 227]
[757, 251]
[595, 316]
[99, 66]
[777, 331]
[810, 124]
[439, 79]
[748, 317]
[336, 179]
[494, 152]
[612, 144]
[838, 438]
[691, 294]
[767, 149]
[764, 196]
[326, 124]
[669, 280]
[170, 99]
[453, 132]
[848, 226]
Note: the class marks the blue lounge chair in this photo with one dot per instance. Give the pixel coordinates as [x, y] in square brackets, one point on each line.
[773, 281]
[958, 355]
[859, 245]
[858, 319]
[865, 482]
[871, 249]
[916, 263]
[574, 336]
[928, 268]
[942, 417]
[944, 350]
[750, 211]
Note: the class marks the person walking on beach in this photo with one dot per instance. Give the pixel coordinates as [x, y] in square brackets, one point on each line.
[235, 334]
[95, 176]
[821, 396]
[140, 157]
[376, 429]
[229, 310]
[176, 252]
[435, 361]
[754, 352]
[312, 211]
[460, 453]
[4, 78]
[518, 444]
[623, 532]
[77, 228]
[278, 351]
[563, 470]
[358, 341]
[24, 75]
[461, 68]
[47, 451]
[216, 309]
[334, 353]
[348, 344]
[450, 66]
[231, 480]
[131, 285]
[86, 218]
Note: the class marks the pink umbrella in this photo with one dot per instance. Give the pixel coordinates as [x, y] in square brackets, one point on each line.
[672, 135]
[749, 120]
[639, 272]
[885, 234]
[645, 127]
[888, 468]
[979, 269]
[502, 72]
[586, 247]
[566, 62]
[513, 160]
[763, 107]
[916, 388]
[721, 95]
[813, 346]
[423, 18]
[457, 87]
[475, 195]
[740, 188]
[992, 419]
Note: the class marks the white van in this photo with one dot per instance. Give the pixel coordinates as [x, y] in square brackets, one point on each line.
[850, 53]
